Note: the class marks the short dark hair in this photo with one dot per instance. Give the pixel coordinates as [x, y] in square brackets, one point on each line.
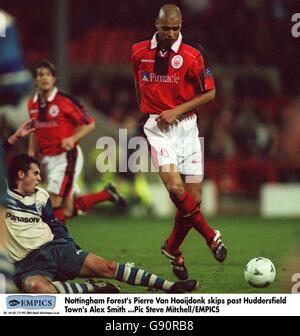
[19, 162]
[45, 64]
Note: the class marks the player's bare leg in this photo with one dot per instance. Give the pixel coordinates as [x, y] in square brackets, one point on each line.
[194, 188]
[97, 267]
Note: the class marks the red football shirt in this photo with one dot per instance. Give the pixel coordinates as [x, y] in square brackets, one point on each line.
[167, 78]
[56, 120]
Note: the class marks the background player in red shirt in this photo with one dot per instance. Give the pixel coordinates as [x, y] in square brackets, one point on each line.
[172, 81]
[60, 123]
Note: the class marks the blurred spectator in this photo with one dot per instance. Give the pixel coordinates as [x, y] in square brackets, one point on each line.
[291, 133]
[14, 78]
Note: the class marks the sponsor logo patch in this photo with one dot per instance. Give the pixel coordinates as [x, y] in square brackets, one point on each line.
[208, 72]
[154, 78]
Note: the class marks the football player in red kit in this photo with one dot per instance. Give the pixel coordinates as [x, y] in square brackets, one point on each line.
[61, 122]
[172, 80]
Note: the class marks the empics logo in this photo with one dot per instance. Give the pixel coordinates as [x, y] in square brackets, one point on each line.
[296, 27]
[30, 302]
[2, 25]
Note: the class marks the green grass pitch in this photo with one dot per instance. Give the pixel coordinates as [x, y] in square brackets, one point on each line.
[125, 239]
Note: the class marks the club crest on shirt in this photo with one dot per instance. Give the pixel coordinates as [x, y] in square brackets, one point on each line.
[164, 153]
[39, 208]
[54, 111]
[177, 62]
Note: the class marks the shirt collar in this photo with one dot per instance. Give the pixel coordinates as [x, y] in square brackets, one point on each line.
[175, 47]
[50, 98]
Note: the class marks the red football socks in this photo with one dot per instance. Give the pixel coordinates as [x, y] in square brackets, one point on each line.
[83, 204]
[180, 230]
[191, 212]
[59, 214]
[86, 202]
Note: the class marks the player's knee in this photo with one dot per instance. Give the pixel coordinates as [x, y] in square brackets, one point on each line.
[176, 189]
[37, 286]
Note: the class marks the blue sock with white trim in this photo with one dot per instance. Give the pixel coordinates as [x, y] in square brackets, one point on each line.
[138, 277]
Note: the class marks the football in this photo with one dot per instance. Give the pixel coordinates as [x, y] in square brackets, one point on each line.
[260, 272]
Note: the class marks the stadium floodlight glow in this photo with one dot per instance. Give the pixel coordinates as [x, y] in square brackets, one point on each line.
[2, 25]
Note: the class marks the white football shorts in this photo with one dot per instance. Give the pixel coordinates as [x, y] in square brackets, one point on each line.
[63, 171]
[179, 145]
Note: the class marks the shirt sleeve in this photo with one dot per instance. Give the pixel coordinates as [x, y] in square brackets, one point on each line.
[78, 113]
[48, 214]
[203, 74]
[58, 229]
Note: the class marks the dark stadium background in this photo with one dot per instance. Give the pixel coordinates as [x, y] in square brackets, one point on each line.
[251, 129]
